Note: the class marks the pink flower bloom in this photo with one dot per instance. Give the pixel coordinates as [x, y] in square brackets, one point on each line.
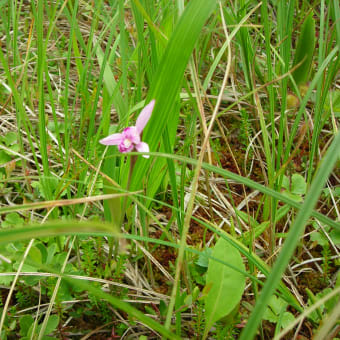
[129, 139]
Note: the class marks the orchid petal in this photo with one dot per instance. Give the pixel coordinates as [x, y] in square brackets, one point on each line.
[143, 147]
[114, 139]
[144, 116]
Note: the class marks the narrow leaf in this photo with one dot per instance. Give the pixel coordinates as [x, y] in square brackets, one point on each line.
[304, 51]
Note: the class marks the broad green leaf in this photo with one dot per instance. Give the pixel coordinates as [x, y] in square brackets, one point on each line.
[276, 304]
[43, 251]
[10, 138]
[5, 280]
[319, 237]
[287, 319]
[4, 157]
[51, 228]
[25, 267]
[35, 255]
[331, 303]
[299, 185]
[275, 307]
[335, 236]
[312, 299]
[258, 230]
[12, 219]
[333, 102]
[52, 324]
[50, 253]
[203, 259]
[285, 182]
[25, 323]
[269, 315]
[296, 186]
[226, 284]
[304, 51]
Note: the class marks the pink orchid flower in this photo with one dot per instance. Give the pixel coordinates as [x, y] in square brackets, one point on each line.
[130, 139]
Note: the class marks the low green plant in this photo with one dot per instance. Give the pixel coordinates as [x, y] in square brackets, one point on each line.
[320, 313]
[30, 328]
[224, 284]
[9, 149]
[276, 312]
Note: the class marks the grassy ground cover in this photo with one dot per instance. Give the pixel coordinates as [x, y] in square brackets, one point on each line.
[215, 215]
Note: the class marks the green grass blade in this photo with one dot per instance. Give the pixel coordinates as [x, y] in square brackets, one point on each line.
[39, 14]
[160, 36]
[221, 52]
[22, 120]
[336, 9]
[285, 15]
[55, 228]
[110, 83]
